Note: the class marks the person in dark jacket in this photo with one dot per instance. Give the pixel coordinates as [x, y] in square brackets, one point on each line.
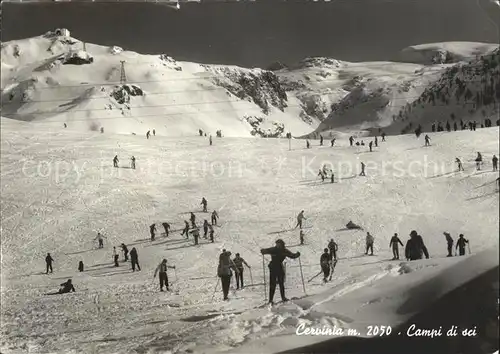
[461, 242]
[166, 226]
[125, 252]
[186, 229]
[152, 230]
[205, 228]
[215, 216]
[325, 262]
[48, 263]
[415, 247]
[369, 243]
[224, 271]
[394, 244]
[134, 259]
[276, 272]
[204, 203]
[211, 233]
[80, 266]
[67, 287]
[449, 241]
[193, 220]
[238, 264]
[332, 246]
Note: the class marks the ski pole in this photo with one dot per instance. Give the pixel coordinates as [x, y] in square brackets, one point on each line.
[264, 272]
[302, 276]
[315, 276]
[251, 278]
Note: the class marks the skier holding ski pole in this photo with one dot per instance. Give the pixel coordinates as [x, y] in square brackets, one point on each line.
[276, 272]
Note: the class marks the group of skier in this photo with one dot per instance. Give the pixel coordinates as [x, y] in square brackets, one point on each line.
[132, 162]
[472, 125]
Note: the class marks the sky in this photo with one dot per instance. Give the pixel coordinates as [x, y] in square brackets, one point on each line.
[256, 34]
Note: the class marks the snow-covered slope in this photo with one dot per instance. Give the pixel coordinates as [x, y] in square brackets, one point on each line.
[59, 188]
[58, 79]
[445, 52]
[430, 93]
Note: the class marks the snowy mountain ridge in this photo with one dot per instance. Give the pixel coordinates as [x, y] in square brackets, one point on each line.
[55, 79]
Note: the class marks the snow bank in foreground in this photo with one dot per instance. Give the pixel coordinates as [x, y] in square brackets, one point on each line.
[464, 294]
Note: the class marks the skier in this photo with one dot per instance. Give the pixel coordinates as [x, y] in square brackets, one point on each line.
[211, 233]
[362, 169]
[333, 248]
[152, 230]
[362, 143]
[200, 132]
[48, 263]
[210, 140]
[115, 256]
[370, 145]
[459, 163]
[204, 203]
[307, 144]
[224, 271]
[383, 136]
[196, 235]
[66, 287]
[301, 236]
[494, 160]
[205, 228]
[455, 127]
[162, 268]
[332, 142]
[186, 229]
[148, 134]
[125, 252]
[448, 126]
[325, 264]
[238, 264]
[132, 162]
[322, 175]
[65, 125]
[80, 266]
[276, 272]
[193, 219]
[369, 244]
[332, 177]
[461, 244]
[449, 241]
[479, 160]
[427, 140]
[215, 216]
[115, 161]
[321, 140]
[166, 226]
[102, 130]
[350, 225]
[415, 247]
[433, 127]
[395, 248]
[351, 140]
[134, 259]
[300, 217]
[99, 238]
[154, 132]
